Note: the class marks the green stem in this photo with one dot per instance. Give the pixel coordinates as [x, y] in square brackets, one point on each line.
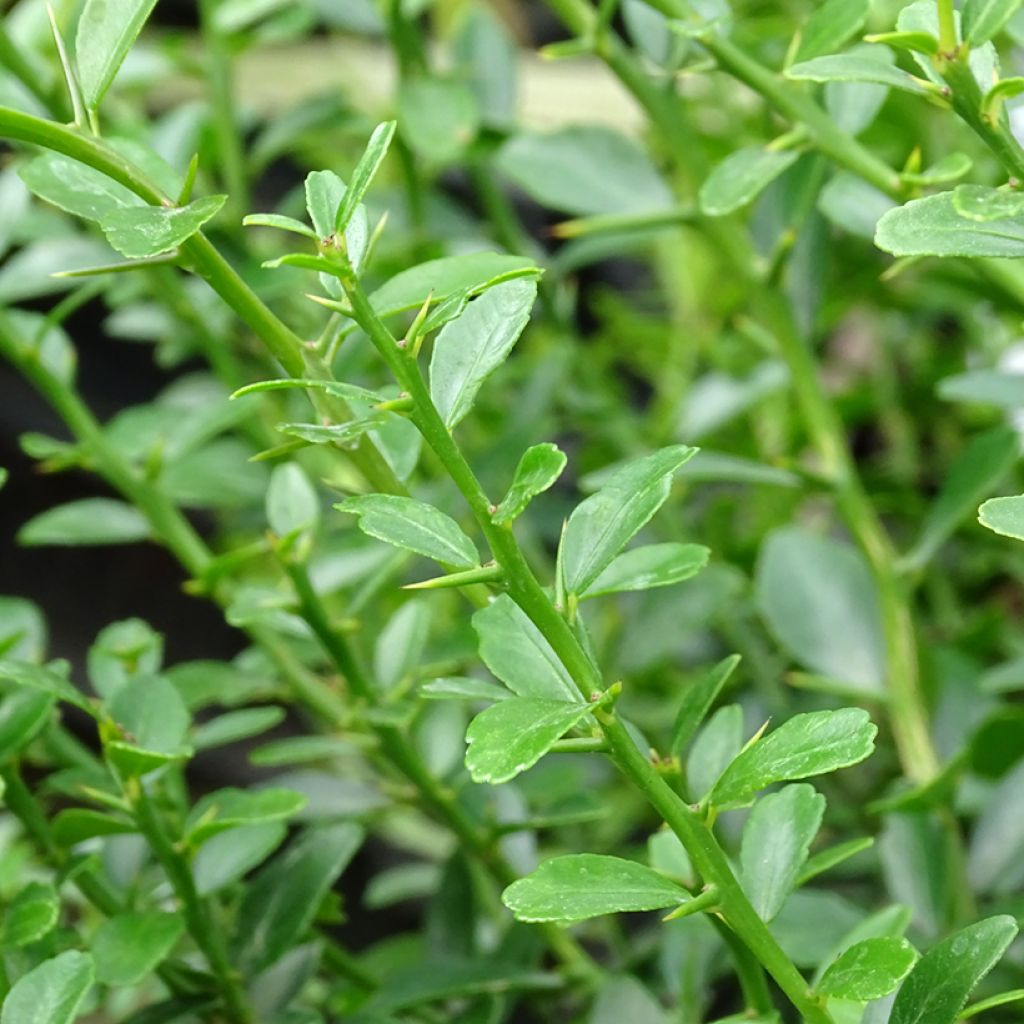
[947, 26]
[198, 919]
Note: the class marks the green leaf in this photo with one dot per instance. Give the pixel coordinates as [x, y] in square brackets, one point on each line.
[649, 567]
[869, 970]
[777, 837]
[585, 885]
[77, 824]
[855, 67]
[538, 469]
[983, 19]
[86, 521]
[292, 503]
[974, 474]
[335, 433]
[233, 808]
[228, 856]
[834, 23]
[50, 993]
[76, 187]
[276, 220]
[514, 649]
[50, 679]
[604, 523]
[1004, 516]
[106, 32]
[983, 204]
[32, 914]
[234, 726]
[697, 702]
[438, 118]
[363, 175]
[23, 715]
[1004, 390]
[714, 749]
[139, 231]
[22, 630]
[933, 227]
[584, 170]
[414, 526]
[463, 688]
[325, 193]
[741, 177]
[513, 735]
[128, 947]
[350, 392]
[280, 905]
[469, 274]
[937, 988]
[818, 598]
[808, 744]
[828, 858]
[470, 348]
[153, 722]
[122, 651]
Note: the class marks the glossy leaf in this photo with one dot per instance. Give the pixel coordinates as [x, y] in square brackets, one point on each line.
[141, 231]
[982, 204]
[276, 220]
[32, 914]
[85, 522]
[601, 525]
[77, 824]
[51, 993]
[697, 702]
[1004, 516]
[516, 652]
[414, 526]
[363, 175]
[471, 347]
[513, 735]
[580, 886]
[342, 434]
[325, 192]
[234, 726]
[228, 856]
[649, 567]
[233, 808]
[937, 988]
[868, 970]
[106, 32]
[128, 947]
[463, 688]
[537, 470]
[741, 177]
[777, 837]
[24, 714]
[153, 723]
[714, 749]
[831, 25]
[983, 19]
[76, 187]
[350, 392]
[810, 744]
[853, 67]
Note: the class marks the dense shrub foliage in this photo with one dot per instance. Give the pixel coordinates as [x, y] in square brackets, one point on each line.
[595, 502]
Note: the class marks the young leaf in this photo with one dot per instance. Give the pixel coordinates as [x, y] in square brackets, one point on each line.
[23, 715]
[975, 473]
[463, 688]
[140, 231]
[414, 526]
[580, 886]
[934, 227]
[513, 735]
[292, 503]
[235, 726]
[538, 469]
[276, 220]
[227, 856]
[350, 392]
[1004, 516]
[980, 203]
[32, 914]
[470, 348]
[741, 177]
[325, 192]
[714, 749]
[86, 521]
[234, 808]
[77, 824]
[868, 970]
[810, 744]
[363, 175]
[51, 680]
[776, 839]
[50, 993]
[514, 649]
[154, 722]
[648, 567]
[601, 525]
[106, 32]
[334, 433]
[983, 19]
[76, 187]
[697, 703]
[937, 988]
[128, 947]
[280, 905]
[853, 67]
[834, 23]
[437, 117]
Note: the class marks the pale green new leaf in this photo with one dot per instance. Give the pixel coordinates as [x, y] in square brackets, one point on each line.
[292, 502]
[282, 223]
[32, 914]
[128, 947]
[415, 526]
[234, 808]
[75, 187]
[513, 735]
[470, 348]
[106, 32]
[86, 521]
[585, 885]
[1004, 516]
[776, 840]
[601, 526]
[697, 702]
[741, 177]
[805, 745]
[983, 19]
[51, 993]
[363, 175]
[650, 566]
[937, 988]
[853, 67]
[868, 970]
[538, 469]
[140, 231]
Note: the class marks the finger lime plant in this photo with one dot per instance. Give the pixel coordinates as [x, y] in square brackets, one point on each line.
[552, 730]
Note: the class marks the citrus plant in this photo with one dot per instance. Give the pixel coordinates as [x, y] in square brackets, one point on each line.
[593, 503]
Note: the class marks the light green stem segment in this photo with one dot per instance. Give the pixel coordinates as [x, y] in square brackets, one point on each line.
[526, 591]
[947, 27]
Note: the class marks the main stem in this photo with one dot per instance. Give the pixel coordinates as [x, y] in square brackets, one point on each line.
[526, 591]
